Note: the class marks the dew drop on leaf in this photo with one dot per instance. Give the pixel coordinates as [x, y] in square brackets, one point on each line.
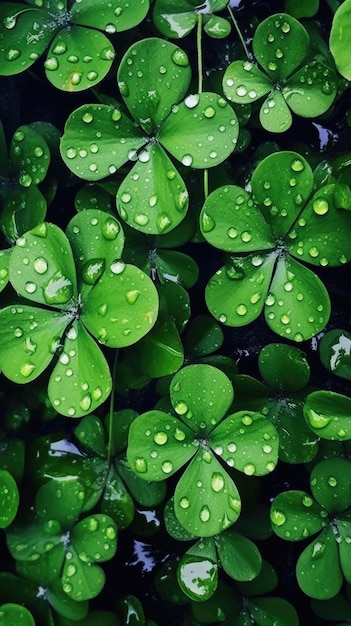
[167, 467]
[278, 517]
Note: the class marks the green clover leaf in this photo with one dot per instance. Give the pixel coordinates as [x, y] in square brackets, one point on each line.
[295, 516]
[200, 132]
[335, 351]
[67, 29]
[327, 414]
[280, 45]
[267, 234]
[339, 36]
[9, 498]
[176, 19]
[108, 300]
[206, 500]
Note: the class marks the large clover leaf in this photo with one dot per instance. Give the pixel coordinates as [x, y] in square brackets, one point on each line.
[295, 516]
[177, 18]
[280, 45]
[206, 500]
[267, 234]
[114, 302]
[79, 55]
[153, 77]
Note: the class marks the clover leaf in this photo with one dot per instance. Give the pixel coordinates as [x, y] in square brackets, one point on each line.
[281, 399]
[86, 291]
[335, 352]
[296, 516]
[289, 81]
[327, 414]
[176, 19]
[267, 233]
[339, 36]
[75, 546]
[79, 54]
[153, 78]
[206, 500]
[9, 498]
[12, 614]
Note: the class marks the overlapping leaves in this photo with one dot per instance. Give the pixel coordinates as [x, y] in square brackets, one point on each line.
[86, 290]
[267, 233]
[176, 19]
[206, 500]
[201, 131]
[79, 54]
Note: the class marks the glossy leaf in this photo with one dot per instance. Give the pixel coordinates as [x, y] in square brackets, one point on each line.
[153, 197]
[335, 352]
[42, 267]
[275, 115]
[295, 516]
[59, 503]
[95, 537]
[14, 614]
[29, 156]
[24, 208]
[244, 83]
[197, 577]
[212, 130]
[202, 336]
[110, 18]
[322, 87]
[239, 556]
[177, 267]
[81, 378]
[330, 485]
[322, 554]
[91, 136]
[155, 451]
[241, 227]
[297, 305]
[30, 346]
[277, 609]
[280, 45]
[339, 36]
[124, 294]
[202, 413]
[327, 413]
[283, 367]
[9, 498]
[145, 75]
[248, 442]
[206, 500]
[66, 65]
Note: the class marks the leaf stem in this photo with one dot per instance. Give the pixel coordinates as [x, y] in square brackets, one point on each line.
[199, 51]
[206, 184]
[112, 408]
[239, 31]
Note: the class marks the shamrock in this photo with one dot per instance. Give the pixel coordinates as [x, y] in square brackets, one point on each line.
[153, 77]
[80, 55]
[83, 289]
[280, 45]
[296, 516]
[177, 18]
[206, 499]
[267, 233]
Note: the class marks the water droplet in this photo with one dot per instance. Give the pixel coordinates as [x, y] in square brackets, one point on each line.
[279, 53]
[241, 90]
[179, 434]
[71, 570]
[58, 290]
[140, 465]
[40, 265]
[51, 64]
[320, 206]
[192, 101]
[59, 48]
[10, 21]
[222, 318]
[167, 467]
[249, 469]
[132, 296]
[332, 481]
[12, 54]
[205, 514]
[278, 517]
[307, 501]
[117, 267]
[180, 58]
[285, 319]
[187, 160]
[184, 503]
[297, 165]
[181, 408]
[160, 438]
[85, 402]
[25, 180]
[207, 222]
[217, 482]
[241, 309]
[318, 550]
[30, 287]
[163, 221]
[272, 66]
[317, 420]
[27, 369]
[246, 420]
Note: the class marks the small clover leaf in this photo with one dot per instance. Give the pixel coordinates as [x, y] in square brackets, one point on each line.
[9, 498]
[27, 30]
[267, 234]
[42, 269]
[176, 19]
[327, 414]
[200, 132]
[296, 516]
[339, 36]
[12, 614]
[206, 500]
[335, 352]
[280, 45]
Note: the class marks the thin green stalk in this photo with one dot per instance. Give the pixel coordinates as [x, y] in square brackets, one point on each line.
[199, 51]
[206, 184]
[238, 31]
[112, 408]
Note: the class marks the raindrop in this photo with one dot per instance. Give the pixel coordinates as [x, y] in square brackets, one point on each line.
[180, 58]
[132, 296]
[12, 54]
[247, 421]
[278, 517]
[140, 465]
[40, 265]
[117, 267]
[317, 420]
[192, 101]
[167, 467]
[307, 501]
[270, 37]
[110, 229]
[85, 402]
[209, 112]
[162, 69]
[92, 76]
[71, 153]
[320, 206]
[272, 66]
[141, 219]
[252, 94]
[10, 21]
[279, 53]
[71, 570]
[25, 180]
[297, 165]
[222, 318]
[318, 550]
[38, 151]
[246, 236]
[161, 438]
[207, 222]
[205, 514]
[217, 482]
[332, 481]
[51, 64]
[232, 233]
[163, 221]
[87, 117]
[30, 287]
[184, 503]
[249, 469]
[241, 309]
[187, 160]
[241, 90]
[58, 290]
[313, 252]
[18, 332]
[179, 434]
[27, 369]
[286, 27]
[181, 408]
